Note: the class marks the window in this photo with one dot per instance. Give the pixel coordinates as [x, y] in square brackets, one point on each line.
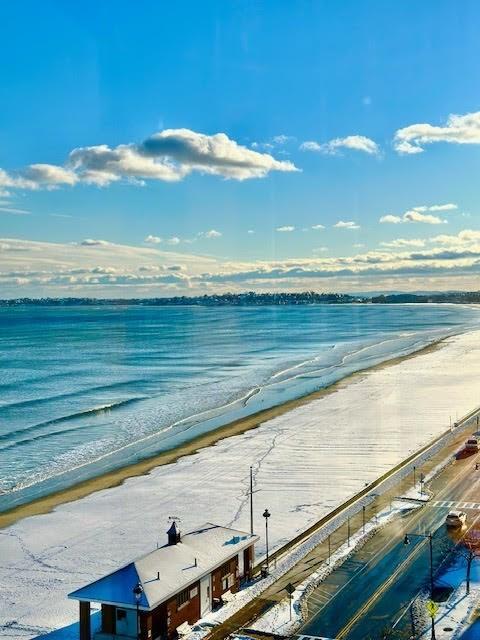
[183, 597]
[121, 614]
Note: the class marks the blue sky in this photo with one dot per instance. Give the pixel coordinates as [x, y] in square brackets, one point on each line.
[336, 111]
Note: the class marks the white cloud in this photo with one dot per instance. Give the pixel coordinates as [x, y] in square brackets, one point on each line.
[443, 207]
[356, 143]
[285, 229]
[15, 212]
[358, 245]
[90, 242]
[250, 231]
[310, 145]
[398, 243]
[317, 227]
[417, 216]
[173, 240]
[341, 224]
[420, 214]
[459, 129]
[465, 237]
[153, 239]
[49, 175]
[213, 233]
[283, 139]
[390, 219]
[168, 156]
[216, 154]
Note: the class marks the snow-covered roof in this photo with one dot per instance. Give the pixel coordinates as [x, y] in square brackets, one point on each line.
[197, 554]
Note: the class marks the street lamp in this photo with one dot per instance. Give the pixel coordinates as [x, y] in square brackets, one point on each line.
[266, 514]
[422, 481]
[429, 537]
[137, 592]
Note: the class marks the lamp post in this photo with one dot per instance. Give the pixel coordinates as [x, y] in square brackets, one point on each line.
[429, 537]
[137, 592]
[422, 481]
[266, 514]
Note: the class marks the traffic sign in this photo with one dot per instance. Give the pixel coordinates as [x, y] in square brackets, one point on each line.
[432, 608]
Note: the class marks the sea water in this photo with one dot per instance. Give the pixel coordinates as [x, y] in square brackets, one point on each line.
[84, 390]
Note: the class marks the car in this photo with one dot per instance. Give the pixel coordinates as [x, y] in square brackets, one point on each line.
[456, 519]
[471, 444]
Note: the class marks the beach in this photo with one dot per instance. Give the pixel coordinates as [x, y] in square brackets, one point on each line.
[307, 458]
[117, 477]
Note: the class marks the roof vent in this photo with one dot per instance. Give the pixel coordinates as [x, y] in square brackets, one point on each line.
[173, 534]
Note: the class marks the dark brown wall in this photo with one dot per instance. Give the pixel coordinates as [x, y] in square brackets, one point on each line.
[188, 612]
[228, 567]
[159, 621]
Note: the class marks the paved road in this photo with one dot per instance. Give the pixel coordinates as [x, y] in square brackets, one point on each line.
[374, 588]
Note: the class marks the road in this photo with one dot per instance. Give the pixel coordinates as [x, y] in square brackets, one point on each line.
[374, 588]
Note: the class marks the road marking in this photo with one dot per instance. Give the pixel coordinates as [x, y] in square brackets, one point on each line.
[374, 597]
[450, 504]
[415, 518]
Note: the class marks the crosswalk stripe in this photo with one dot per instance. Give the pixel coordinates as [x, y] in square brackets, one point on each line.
[456, 505]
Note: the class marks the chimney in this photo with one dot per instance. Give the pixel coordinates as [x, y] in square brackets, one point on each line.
[173, 534]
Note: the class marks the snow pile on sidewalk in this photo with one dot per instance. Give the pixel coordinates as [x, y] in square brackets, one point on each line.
[455, 615]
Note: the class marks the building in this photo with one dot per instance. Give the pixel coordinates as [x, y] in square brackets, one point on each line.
[178, 583]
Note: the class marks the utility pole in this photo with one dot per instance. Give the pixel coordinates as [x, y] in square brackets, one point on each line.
[363, 518]
[251, 501]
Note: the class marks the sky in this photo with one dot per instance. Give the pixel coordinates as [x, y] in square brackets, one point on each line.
[158, 149]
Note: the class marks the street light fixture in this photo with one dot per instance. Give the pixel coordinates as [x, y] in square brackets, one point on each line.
[429, 537]
[137, 592]
[266, 514]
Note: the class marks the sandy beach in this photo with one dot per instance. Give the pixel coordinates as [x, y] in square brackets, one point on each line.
[118, 476]
[307, 459]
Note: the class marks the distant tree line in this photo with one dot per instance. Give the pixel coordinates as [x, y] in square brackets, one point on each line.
[251, 298]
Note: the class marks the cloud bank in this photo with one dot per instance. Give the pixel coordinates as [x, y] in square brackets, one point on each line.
[102, 268]
[167, 156]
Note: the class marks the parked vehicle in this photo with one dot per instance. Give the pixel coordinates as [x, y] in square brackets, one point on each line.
[456, 519]
[471, 444]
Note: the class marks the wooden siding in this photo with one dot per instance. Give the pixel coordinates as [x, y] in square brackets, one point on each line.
[225, 578]
[187, 612]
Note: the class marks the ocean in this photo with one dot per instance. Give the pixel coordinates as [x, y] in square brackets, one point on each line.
[89, 389]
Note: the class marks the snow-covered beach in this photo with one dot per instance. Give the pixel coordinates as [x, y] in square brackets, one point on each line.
[306, 462]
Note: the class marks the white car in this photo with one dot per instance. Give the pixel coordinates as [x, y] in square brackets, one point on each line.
[456, 519]
[471, 444]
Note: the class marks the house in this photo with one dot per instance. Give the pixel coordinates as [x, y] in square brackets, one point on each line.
[175, 584]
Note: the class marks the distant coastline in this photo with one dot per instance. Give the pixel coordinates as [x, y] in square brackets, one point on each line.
[251, 298]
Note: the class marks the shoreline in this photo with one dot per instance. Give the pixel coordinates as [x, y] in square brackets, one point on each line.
[111, 479]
